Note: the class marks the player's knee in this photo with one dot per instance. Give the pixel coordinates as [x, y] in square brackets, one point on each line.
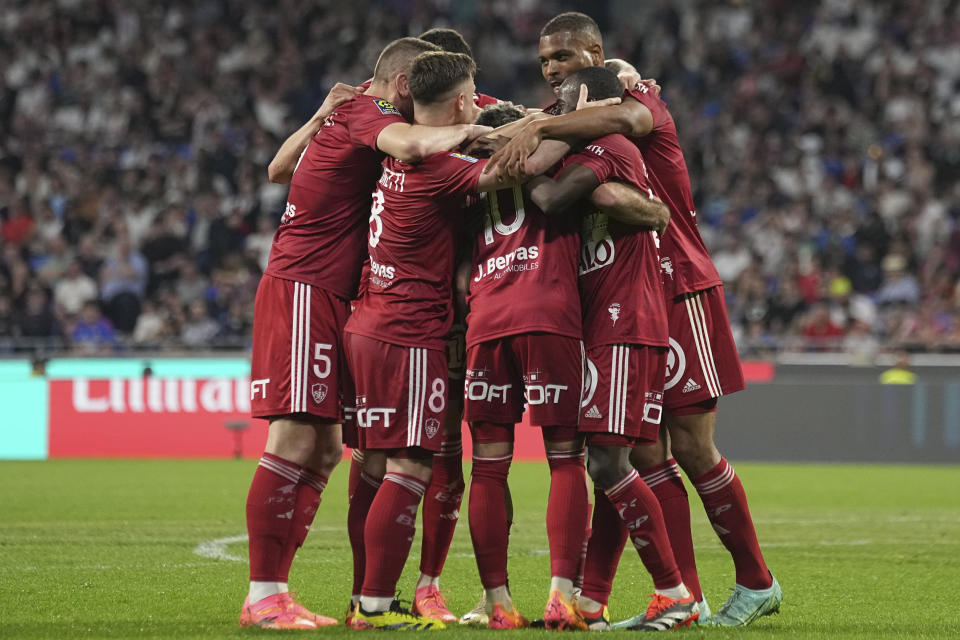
[696, 455]
[607, 465]
[644, 456]
[415, 462]
[325, 459]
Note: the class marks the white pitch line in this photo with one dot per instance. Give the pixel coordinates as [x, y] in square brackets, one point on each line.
[217, 549]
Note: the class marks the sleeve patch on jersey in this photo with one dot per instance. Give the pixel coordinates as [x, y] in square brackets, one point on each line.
[386, 108]
[463, 157]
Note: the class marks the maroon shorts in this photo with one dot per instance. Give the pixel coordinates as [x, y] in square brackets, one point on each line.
[703, 361]
[298, 363]
[623, 392]
[543, 370]
[401, 394]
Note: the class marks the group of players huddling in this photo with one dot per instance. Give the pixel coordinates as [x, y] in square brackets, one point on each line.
[590, 303]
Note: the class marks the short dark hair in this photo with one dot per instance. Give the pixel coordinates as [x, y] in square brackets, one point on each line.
[435, 73]
[497, 115]
[575, 22]
[601, 83]
[398, 56]
[447, 39]
[617, 65]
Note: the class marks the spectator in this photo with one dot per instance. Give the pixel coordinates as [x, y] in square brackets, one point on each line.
[36, 320]
[259, 242]
[152, 326]
[123, 284]
[165, 247]
[199, 329]
[898, 286]
[93, 333]
[192, 285]
[732, 257]
[820, 330]
[73, 291]
[900, 372]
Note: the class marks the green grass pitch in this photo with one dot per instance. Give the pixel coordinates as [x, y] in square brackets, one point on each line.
[109, 549]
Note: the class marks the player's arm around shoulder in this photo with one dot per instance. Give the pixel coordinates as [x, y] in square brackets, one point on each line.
[413, 142]
[548, 153]
[629, 205]
[553, 195]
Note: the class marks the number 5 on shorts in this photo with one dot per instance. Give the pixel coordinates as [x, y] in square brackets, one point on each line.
[322, 364]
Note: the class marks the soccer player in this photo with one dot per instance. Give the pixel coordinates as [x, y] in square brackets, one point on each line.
[453, 41]
[298, 377]
[625, 330]
[395, 339]
[524, 346]
[441, 502]
[702, 363]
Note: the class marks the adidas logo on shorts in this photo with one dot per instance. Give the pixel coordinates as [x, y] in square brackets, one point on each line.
[593, 412]
[690, 386]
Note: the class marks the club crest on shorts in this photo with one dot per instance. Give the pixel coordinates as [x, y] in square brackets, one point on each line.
[676, 364]
[431, 426]
[319, 392]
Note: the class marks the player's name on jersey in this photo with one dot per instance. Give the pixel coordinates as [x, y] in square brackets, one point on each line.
[509, 262]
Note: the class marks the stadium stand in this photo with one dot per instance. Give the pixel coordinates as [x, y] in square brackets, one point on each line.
[823, 140]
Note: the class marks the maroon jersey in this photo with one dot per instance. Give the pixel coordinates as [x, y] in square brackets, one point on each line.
[620, 284]
[415, 217]
[482, 100]
[686, 263]
[524, 271]
[320, 238]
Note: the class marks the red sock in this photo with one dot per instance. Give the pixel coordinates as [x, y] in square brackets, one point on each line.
[607, 538]
[391, 525]
[488, 518]
[271, 504]
[726, 505]
[667, 485]
[578, 583]
[356, 468]
[360, 500]
[309, 491]
[640, 512]
[441, 507]
[566, 512]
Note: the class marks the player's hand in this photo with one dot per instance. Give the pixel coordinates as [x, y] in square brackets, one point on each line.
[583, 103]
[651, 84]
[630, 80]
[510, 160]
[339, 94]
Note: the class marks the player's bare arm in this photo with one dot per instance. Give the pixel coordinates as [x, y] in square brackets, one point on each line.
[414, 142]
[630, 118]
[556, 194]
[485, 146]
[547, 154]
[281, 168]
[631, 206]
[628, 75]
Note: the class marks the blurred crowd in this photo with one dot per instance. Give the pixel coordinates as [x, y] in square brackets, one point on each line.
[822, 138]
